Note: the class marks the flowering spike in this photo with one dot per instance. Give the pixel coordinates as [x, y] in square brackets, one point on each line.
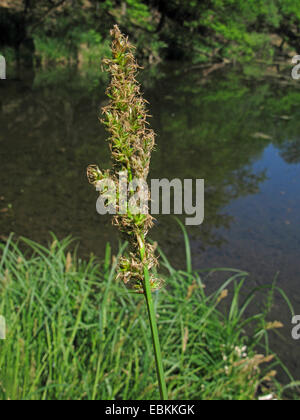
[131, 143]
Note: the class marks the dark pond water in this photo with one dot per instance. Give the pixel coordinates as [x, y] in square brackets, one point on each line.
[241, 135]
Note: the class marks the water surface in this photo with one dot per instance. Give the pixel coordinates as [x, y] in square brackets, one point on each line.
[241, 135]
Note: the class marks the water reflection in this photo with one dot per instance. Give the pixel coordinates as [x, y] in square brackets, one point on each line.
[241, 136]
[290, 151]
[50, 132]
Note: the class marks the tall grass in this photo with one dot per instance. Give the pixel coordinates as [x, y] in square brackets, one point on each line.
[131, 143]
[74, 332]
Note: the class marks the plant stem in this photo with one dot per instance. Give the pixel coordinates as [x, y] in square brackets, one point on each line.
[154, 329]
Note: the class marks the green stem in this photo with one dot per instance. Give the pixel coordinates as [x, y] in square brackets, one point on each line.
[154, 329]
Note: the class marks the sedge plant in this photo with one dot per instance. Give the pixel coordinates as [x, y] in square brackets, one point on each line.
[53, 302]
[131, 143]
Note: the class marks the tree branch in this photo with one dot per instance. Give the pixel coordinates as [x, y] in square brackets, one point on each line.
[47, 13]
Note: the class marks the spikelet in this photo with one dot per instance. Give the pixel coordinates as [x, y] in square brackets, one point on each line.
[131, 142]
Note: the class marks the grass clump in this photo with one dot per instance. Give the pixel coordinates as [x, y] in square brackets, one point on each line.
[74, 333]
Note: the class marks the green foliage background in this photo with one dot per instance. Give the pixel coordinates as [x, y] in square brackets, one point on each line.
[195, 30]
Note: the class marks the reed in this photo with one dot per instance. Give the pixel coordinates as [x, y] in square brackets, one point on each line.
[131, 143]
